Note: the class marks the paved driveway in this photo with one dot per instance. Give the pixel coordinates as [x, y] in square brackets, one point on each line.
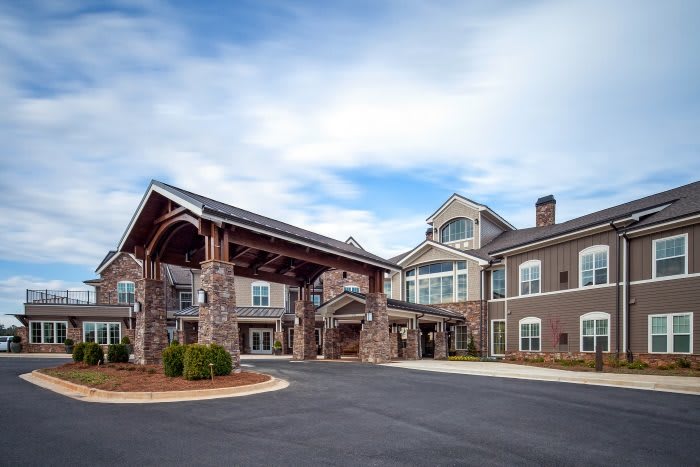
[349, 413]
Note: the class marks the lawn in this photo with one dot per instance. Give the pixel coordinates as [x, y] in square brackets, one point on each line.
[611, 366]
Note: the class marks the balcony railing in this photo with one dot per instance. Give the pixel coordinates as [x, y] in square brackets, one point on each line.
[62, 297]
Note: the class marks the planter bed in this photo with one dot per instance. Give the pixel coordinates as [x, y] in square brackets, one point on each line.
[651, 370]
[129, 377]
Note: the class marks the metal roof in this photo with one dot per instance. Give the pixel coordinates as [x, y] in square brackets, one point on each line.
[242, 312]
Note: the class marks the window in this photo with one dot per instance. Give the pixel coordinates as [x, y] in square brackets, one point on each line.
[387, 286]
[461, 338]
[458, 229]
[498, 337]
[125, 292]
[102, 333]
[461, 281]
[411, 286]
[436, 283]
[185, 300]
[671, 333]
[530, 334]
[593, 264]
[261, 294]
[352, 288]
[670, 256]
[319, 337]
[595, 328]
[530, 278]
[316, 299]
[290, 338]
[498, 284]
[47, 332]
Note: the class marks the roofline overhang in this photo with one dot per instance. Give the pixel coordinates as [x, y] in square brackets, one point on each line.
[553, 239]
[480, 261]
[350, 297]
[473, 204]
[636, 232]
[113, 258]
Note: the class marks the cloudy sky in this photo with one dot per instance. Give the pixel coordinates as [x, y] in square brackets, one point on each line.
[349, 118]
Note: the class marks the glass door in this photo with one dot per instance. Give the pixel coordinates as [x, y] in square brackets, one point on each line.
[498, 337]
[261, 341]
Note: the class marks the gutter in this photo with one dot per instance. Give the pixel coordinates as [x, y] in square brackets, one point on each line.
[617, 289]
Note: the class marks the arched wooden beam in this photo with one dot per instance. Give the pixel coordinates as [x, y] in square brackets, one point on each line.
[164, 244]
[317, 273]
[162, 228]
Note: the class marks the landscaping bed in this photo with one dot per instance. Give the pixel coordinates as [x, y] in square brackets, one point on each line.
[129, 377]
[616, 367]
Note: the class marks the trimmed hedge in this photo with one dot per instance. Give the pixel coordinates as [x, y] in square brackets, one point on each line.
[223, 364]
[126, 340]
[93, 353]
[79, 352]
[464, 358]
[196, 363]
[174, 359]
[118, 353]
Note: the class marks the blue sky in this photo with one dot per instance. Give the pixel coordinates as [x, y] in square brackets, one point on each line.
[350, 118]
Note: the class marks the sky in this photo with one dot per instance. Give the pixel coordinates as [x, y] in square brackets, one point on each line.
[348, 118]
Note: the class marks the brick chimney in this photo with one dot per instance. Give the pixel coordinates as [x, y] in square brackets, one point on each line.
[545, 208]
[429, 233]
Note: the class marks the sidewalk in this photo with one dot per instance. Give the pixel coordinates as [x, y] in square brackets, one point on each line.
[680, 384]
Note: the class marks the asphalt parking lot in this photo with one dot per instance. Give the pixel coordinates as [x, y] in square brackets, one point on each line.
[352, 414]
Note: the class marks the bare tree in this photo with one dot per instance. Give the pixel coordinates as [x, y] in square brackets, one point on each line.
[555, 333]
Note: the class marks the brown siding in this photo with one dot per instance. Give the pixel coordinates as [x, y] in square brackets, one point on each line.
[568, 308]
[558, 258]
[669, 296]
[641, 254]
[497, 310]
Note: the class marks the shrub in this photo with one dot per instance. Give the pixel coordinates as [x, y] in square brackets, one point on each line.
[590, 363]
[471, 347]
[614, 362]
[68, 342]
[174, 360]
[79, 352]
[117, 353]
[223, 364]
[277, 345]
[683, 362]
[175, 342]
[463, 358]
[126, 340]
[196, 362]
[93, 353]
[537, 360]
[637, 365]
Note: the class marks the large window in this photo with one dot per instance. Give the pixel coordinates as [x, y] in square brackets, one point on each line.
[670, 258]
[411, 286]
[595, 328]
[261, 294]
[530, 278]
[461, 281]
[125, 292]
[498, 284]
[387, 286]
[671, 333]
[436, 283]
[530, 329]
[461, 337]
[102, 333]
[185, 300]
[47, 332]
[458, 229]
[593, 264]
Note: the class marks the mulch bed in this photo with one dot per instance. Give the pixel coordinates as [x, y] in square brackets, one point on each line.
[609, 369]
[129, 377]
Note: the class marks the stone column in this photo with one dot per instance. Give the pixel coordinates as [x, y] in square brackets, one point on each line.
[218, 323]
[375, 346]
[304, 337]
[395, 339]
[412, 350]
[331, 343]
[440, 352]
[151, 333]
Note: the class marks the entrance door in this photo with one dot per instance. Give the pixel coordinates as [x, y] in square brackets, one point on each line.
[498, 338]
[261, 341]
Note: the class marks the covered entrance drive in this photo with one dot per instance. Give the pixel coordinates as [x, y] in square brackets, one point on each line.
[174, 226]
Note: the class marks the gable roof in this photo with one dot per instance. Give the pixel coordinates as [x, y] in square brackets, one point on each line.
[671, 204]
[474, 204]
[352, 241]
[106, 259]
[216, 210]
[110, 258]
[398, 305]
[466, 254]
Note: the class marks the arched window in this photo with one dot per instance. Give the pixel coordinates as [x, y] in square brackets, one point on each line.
[593, 265]
[595, 328]
[530, 277]
[457, 229]
[125, 292]
[261, 293]
[530, 334]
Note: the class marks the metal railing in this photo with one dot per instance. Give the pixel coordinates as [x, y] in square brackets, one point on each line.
[62, 297]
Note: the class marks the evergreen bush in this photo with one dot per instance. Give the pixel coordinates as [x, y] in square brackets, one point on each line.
[93, 353]
[79, 352]
[118, 353]
[223, 364]
[174, 359]
[196, 362]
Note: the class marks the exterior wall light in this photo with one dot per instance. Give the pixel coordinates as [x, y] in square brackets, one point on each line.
[201, 296]
[137, 307]
[296, 321]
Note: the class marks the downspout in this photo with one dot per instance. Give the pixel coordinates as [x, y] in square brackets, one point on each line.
[617, 290]
[627, 285]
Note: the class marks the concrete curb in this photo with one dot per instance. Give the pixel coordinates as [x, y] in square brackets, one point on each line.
[574, 379]
[86, 394]
[35, 355]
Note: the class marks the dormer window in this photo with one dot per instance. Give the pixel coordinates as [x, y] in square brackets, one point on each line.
[457, 229]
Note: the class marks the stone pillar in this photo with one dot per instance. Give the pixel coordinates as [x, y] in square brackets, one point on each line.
[412, 350]
[374, 338]
[218, 323]
[23, 332]
[304, 337]
[395, 339]
[331, 343]
[440, 352]
[151, 333]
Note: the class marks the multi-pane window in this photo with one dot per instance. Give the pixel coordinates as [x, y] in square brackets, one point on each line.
[498, 334]
[594, 266]
[261, 294]
[316, 299]
[102, 333]
[352, 288]
[436, 283]
[595, 329]
[411, 286]
[671, 333]
[47, 332]
[185, 300]
[458, 229]
[461, 281]
[498, 284]
[387, 287]
[530, 334]
[530, 278]
[125, 292]
[670, 256]
[461, 338]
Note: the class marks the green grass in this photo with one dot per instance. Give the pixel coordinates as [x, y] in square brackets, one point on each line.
[85, 377]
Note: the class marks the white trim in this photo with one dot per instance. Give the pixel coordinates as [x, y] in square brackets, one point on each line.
[179, 296]
[593, 250]
[504, 337]
[592, 316]
[355, 288]
[113, 258]
[457, 340]
[119, 302]
[653, 254]
[555, 292]
[555, 239]
[41, 328]
[669, 332]
[661, 279]
[468, 203]
[451, 220]
[95, 323]
[442, 247]
[290, 342]
[637, 232]
[530, 264]
[529, 320]
[262, 330]
[252, 294]
[505, 294]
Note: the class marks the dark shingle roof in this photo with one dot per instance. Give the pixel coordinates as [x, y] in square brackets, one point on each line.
[226, 211]
[180, 275]
[242, 312]
[107, 257]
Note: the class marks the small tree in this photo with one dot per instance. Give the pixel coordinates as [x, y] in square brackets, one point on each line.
[471, 347]
[555, 333]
